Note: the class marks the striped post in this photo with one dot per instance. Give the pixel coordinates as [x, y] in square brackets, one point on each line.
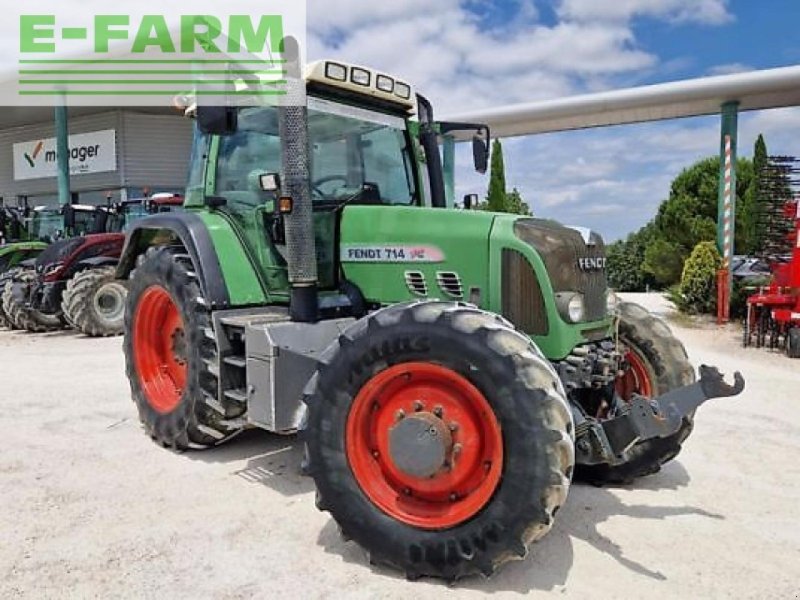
[726, 234]
[727, 230]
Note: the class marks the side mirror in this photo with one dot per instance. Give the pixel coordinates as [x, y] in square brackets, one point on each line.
[470, 201]
[480, 153]
[217, 120]
[69, 216]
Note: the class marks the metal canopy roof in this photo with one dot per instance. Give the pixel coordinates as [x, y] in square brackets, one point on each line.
[755, 90]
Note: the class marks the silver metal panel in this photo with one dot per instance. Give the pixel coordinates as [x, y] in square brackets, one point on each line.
[154, 150]
[281, 358]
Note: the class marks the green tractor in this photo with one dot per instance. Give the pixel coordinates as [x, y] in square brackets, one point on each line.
[18, 239]
[448, 370]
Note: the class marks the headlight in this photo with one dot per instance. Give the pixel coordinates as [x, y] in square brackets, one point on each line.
[360, 76]
[385, 84]
[336, 72]
[572, 306]
[612, 302]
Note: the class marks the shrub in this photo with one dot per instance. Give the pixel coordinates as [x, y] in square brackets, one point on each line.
[698, 288]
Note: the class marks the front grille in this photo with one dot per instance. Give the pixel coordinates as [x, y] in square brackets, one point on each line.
[522, 300]
[562, 249]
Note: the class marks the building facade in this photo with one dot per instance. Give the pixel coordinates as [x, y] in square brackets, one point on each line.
[114, 154]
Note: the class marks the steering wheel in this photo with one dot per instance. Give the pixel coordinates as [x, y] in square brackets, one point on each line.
[315, 185]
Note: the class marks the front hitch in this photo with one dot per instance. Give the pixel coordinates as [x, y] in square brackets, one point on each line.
[647, 418]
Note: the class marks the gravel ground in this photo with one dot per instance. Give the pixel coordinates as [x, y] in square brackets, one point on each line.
[91, 508]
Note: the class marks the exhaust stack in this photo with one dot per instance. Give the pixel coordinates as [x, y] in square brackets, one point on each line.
[301, 251]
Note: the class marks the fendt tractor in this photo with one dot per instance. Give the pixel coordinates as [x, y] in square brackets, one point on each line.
[73, 281]
[447, 370]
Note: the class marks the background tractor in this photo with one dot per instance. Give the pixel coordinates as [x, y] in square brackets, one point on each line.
[73, 281]
[448, 370]
[33, 231]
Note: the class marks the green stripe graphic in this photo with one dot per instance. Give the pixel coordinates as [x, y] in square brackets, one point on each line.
[148, 72]
[99, 61]
[150, 93]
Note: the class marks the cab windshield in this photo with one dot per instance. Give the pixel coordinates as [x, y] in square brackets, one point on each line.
[47, 224]
[356, 156]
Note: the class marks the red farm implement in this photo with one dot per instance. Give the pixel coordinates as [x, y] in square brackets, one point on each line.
[773, 314]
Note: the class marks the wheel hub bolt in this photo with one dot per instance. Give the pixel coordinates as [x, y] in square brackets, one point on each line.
[457, 449]
[418, 406]
[438, 411]
[400, 415]
[453, 426]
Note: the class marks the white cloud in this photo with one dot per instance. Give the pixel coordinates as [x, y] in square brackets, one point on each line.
[729, 69]
[613, 179]
[708, 12]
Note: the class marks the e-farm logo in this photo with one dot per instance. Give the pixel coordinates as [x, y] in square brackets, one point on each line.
[121, 57]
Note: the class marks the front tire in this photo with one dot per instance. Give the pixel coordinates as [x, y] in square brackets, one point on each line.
[171, 360]
[5, 278]
[657, 364]
[21, 316]
[496, 457]
[94, 302]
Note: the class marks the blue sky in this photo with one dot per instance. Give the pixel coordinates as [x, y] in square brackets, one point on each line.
[470, 54]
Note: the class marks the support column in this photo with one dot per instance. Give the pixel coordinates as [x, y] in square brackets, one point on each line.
[449, 168]
[62, 154]
[726, 220]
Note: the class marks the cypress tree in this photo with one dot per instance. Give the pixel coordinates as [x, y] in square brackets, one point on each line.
[755, 208]
[496, 200]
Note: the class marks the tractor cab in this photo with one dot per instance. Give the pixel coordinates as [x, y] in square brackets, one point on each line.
[12, 225]
[123, 215]
[373, 151]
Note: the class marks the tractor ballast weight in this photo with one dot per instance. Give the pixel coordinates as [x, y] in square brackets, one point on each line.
[449, 371]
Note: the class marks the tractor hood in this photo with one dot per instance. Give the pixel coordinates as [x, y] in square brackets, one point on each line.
[575, 259]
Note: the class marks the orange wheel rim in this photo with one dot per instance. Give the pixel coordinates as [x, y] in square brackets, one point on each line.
[159, 348]
[459, 419]
[637, 378]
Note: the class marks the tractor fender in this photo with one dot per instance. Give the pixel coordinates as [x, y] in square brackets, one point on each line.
[191, 232]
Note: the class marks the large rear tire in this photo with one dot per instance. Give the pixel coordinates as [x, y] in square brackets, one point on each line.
[494, 462]
[94, 302]
[657, 364]
[171, 355]
[21, 316]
